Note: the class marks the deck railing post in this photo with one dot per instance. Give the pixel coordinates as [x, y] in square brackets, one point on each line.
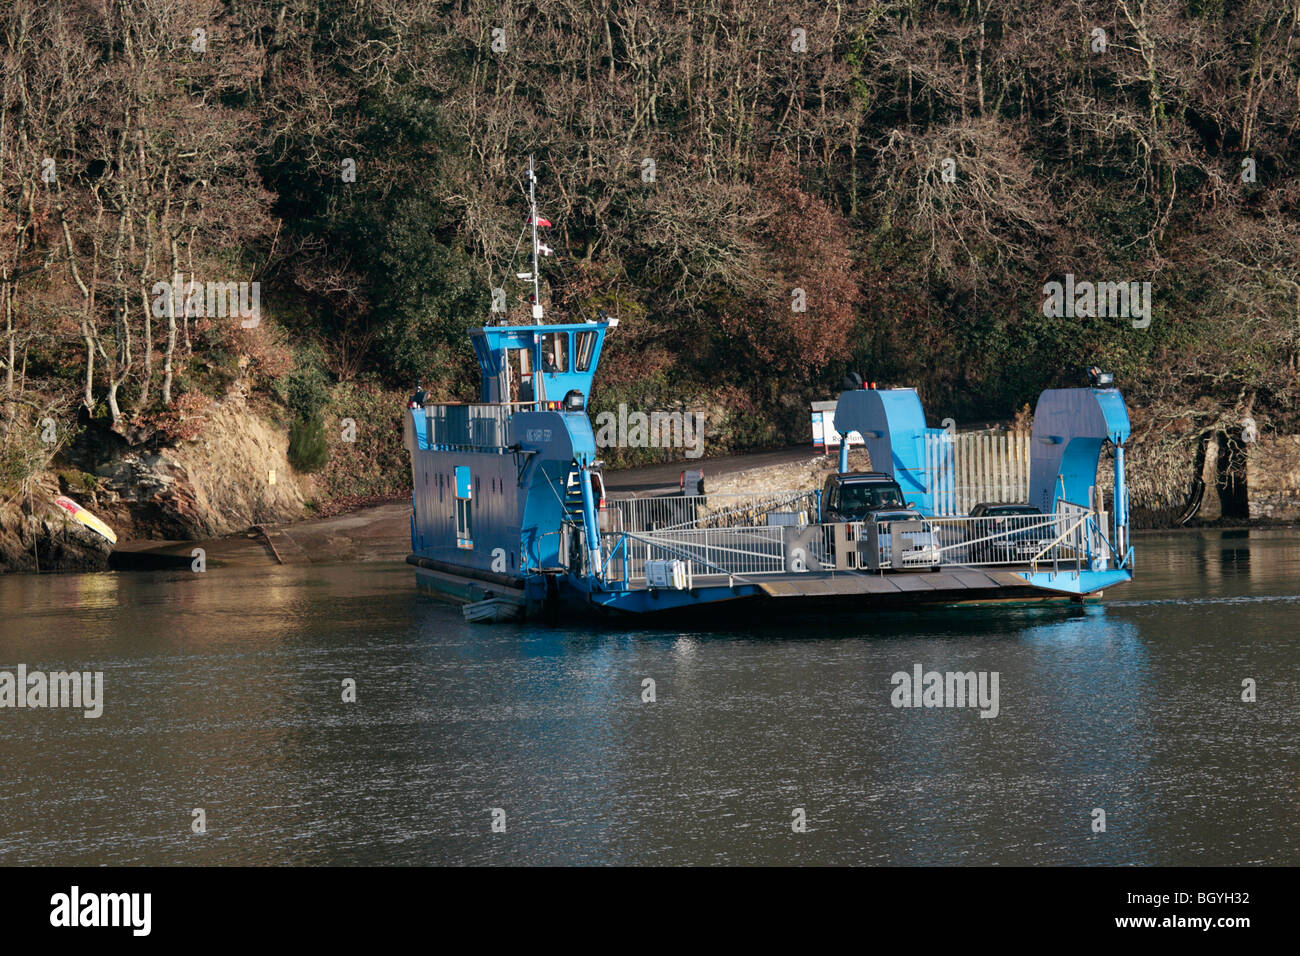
[1120, 508]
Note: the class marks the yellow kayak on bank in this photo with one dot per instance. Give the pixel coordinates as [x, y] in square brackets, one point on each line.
[81, 515]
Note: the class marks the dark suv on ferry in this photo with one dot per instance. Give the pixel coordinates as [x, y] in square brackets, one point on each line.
[873, 496]
[863, 496]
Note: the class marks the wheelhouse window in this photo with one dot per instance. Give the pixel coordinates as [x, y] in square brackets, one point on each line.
[519, 373]
[584, 350]
[555, 352]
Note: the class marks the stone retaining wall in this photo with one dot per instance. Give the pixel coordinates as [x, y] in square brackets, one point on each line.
[1273, 478]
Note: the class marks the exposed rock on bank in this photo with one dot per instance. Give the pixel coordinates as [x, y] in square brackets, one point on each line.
[35, 535]
[234, 475]
[1273, 478]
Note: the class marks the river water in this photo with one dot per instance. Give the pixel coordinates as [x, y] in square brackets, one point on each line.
[223, 691]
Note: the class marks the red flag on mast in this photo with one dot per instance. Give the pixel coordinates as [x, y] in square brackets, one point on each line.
[540, 221]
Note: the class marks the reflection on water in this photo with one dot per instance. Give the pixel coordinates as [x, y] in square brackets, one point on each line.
[223, 691]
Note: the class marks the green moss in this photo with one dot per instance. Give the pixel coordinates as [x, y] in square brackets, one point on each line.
[308, 449]
[77, 482]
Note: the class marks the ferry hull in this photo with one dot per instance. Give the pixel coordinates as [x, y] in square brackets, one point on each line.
[804, 594]
[465, 586]
[811, 595]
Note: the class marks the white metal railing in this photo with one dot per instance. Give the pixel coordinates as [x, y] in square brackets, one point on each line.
[737, 552]
[1084, 531]
[1073, 537]
[899, 544]
[666, 512]
[1068, 536]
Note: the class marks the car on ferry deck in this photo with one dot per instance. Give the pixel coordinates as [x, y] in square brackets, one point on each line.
[874, 496]
[1014, 532]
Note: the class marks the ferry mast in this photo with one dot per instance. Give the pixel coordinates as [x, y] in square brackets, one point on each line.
[532, 219]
